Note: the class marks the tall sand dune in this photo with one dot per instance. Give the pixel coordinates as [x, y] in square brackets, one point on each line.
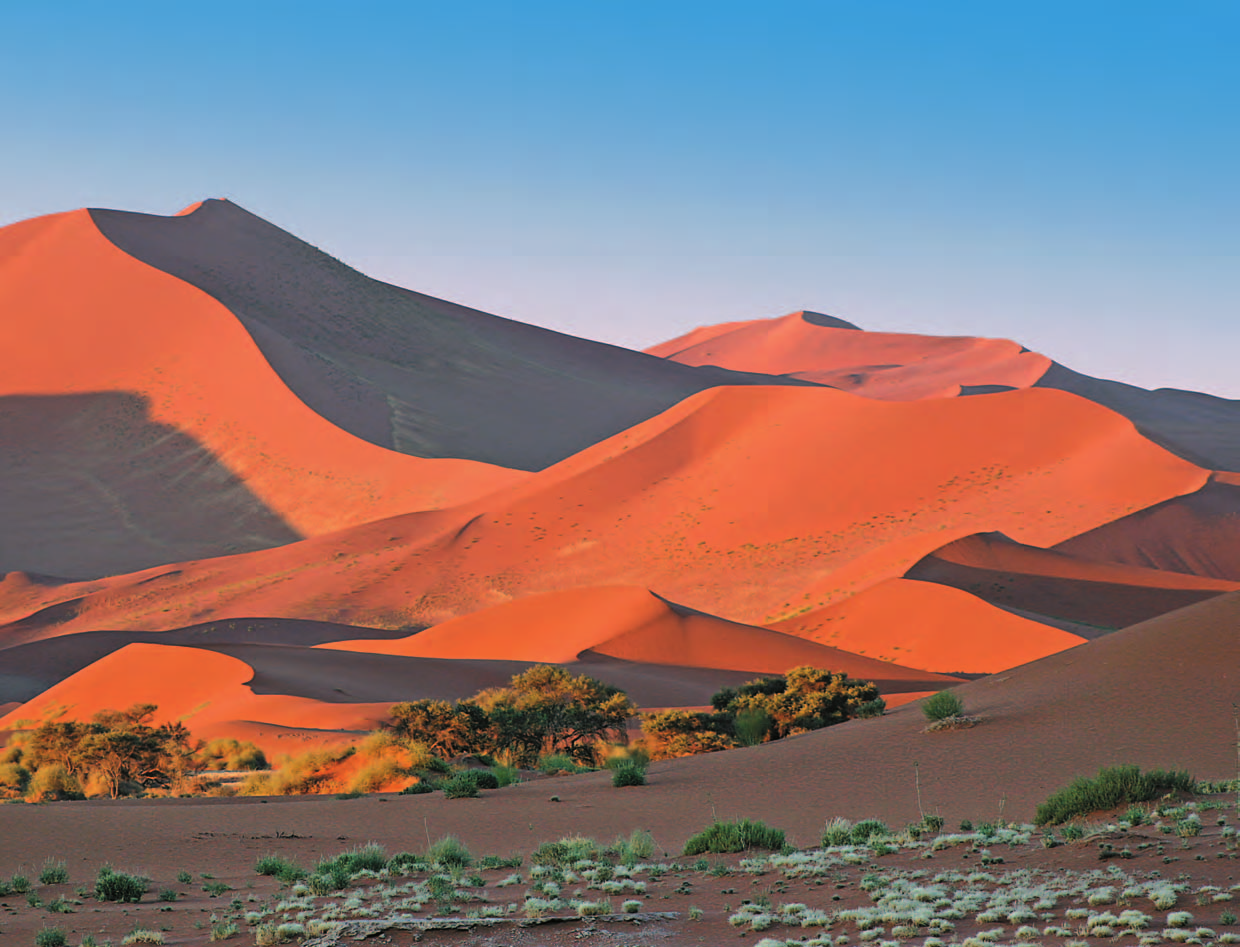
[723, 504]
[634, 625]
[887, 365]
[400, 369]
[142, 425]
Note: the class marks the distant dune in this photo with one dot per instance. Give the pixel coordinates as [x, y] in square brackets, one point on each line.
[829, 351]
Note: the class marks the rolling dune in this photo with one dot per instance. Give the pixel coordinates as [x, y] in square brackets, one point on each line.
[143, 426]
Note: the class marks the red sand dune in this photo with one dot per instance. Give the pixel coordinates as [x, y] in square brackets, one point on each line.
[632, 624]
[401, 369]
[205, 690]
[893, 366]
[723, 504]
[140, 417]
[1060, 586]
[924, 625]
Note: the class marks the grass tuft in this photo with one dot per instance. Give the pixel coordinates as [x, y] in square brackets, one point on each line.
[739, 836]
[1113, 786]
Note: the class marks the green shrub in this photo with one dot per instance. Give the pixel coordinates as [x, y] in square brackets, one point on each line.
[627, 771]
[505, 775]
[559, 763]
[942, 705]
[566, 851]
[117, 886]
[168, 894]
[867, 829]
[405, 862]
[279, 867]
[50, 937]
[449, 852]
[223, 930]
[54, 873]
[460, 786]
[421, 787]
[1113, 786]
[837, 831]
[20, 884]
[739, 836]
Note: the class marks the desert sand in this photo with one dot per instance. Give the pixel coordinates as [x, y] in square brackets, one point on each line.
[253, 486]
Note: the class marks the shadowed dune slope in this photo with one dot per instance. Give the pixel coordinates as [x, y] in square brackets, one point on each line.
[1197, 534]
[1199, 427]
[402, 370]
[885, 365]
[722, 504]
[143, 425]
[1106, 595]
[632, 624]
[924, 625]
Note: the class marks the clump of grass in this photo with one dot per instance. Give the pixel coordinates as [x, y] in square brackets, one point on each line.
[566, 852]
[738, 836]
[222, 930]
[942, 705]
[278, 866]
[111, 885]
[1113, 786]
[505, 775]
[638, 846]
[54, 872]
[449, 852]
[867, 829]
[627, 771]
[559, 763]
[460, 786]
[332, 874]
[143, 935]
[169, 894]
[50, 937]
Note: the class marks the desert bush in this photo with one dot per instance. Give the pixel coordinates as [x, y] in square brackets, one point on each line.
[505, 775]
[230, 754]
[627, 771]
[223, 930]
[50, 937]
[460, 786]
[449, 852]
[279, 867]
[14, 779]
[867, 829]
[639, 845]
[738, 836]
[1113, 786]
[142, 935]
[111, 885]
[676, 733]
[553, 763]
[310, 772]
[53, 781]
[421, 787]
[837, 831]
[806, 698]
[941, 706]
[53, 872]
[566, 851]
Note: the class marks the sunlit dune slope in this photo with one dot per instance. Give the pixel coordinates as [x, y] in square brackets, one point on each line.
[818, 348]
[142, 425]
[723, 503]
[1195, 534]
[632, 624]
[923, 625]
[1052, 583]
[401, 369]
[207, 691]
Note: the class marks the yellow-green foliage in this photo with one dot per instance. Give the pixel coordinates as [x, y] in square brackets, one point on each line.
[14, 778]
[52, 781]
[309, 772]
[227, 753]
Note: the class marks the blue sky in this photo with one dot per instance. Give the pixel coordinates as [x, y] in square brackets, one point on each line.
[1061, 173]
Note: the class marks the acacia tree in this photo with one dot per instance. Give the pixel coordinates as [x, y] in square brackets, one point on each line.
[446, 729]
[545, 709]
[806, 698]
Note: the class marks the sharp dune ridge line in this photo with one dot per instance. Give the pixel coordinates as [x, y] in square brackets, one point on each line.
[242, 481]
